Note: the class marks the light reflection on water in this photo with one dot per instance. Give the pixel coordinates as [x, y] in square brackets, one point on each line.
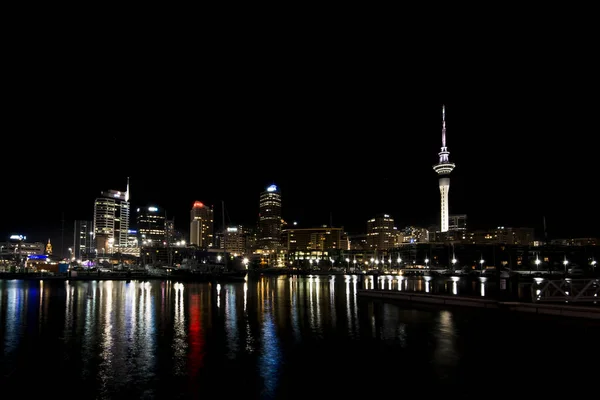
[168, 339]
[478, 286]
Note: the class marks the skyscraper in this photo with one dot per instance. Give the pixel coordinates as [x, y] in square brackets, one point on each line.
[83, 243]
[201, 225]
[111, 220]
[381, 232]
[152, 226]
[443, 169]
[269, 219]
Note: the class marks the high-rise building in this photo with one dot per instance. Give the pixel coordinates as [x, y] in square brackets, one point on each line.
[152, 226]
[233, 241]
[443, 169]
[269, 219]
[83, 240]
[381, 233]
[321, 238]
[111, 220]
[201, 225]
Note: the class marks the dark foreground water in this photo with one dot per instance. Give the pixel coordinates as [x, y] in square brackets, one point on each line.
[275, 337]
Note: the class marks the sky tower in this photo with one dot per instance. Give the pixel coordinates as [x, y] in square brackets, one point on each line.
[443, 169]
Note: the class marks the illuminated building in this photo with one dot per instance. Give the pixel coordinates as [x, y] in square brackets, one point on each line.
[111, 220]
[269, 219]
[201, 225]
[313, 243]
[381, 233]
[83, 240]
[413, 234]
[152, 226]
[48, 248]
[234, 241]
[443, 169]
[16, 249]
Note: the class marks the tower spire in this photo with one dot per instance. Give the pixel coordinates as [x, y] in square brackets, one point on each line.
[443, 125]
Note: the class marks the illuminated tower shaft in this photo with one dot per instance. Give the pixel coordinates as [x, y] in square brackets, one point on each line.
[443, 169]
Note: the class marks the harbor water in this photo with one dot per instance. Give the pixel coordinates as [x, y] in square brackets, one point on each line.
[277, 337]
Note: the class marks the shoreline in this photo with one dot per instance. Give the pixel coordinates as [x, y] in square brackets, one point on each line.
[554, 309]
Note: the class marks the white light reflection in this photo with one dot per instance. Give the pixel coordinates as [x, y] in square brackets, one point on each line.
[245, 295]
[14, 323]
[427, 279]
[231, 328]
[483, 279]
[311, 305]
[105, 374]
[179, 332]
[390, 279]
[218, 295]
[318, 304]
[445, 353]
[455, 280]
[40, 318]
[355, 301]
[400, 279]
[148, 331]
[332, 300]
[69, 289]
[348, 311]
[294, 308]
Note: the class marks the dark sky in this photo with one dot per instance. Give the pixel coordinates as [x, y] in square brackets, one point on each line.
[343, 135]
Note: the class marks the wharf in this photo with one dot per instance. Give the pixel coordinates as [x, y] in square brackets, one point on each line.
[566, 310]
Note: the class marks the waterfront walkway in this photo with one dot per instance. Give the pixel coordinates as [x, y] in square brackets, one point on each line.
[591, 311]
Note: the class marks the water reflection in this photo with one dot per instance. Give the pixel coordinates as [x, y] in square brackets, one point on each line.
[116, 338]
[270, 358]
[478, 286]
[231, 328]
[179, 345]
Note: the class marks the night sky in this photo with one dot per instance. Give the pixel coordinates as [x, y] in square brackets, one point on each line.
[343, 140]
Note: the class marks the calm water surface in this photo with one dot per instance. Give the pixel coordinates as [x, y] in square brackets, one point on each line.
[273, 337]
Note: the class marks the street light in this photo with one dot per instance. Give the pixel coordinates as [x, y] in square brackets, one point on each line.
[481, 263]
[537, 264]
[426, 261]
[593, 263]
[565, 263]
[454, 260]
[348, 264]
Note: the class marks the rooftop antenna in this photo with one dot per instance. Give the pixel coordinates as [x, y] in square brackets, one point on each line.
[545, 232]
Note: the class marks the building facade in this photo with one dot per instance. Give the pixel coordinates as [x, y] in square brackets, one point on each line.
[83, 240]
[152, 226]
[270, 219]
[381, 233]
[111, 220]
[202, 226]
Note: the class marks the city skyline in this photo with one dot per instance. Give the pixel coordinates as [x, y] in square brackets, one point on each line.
[504, 175]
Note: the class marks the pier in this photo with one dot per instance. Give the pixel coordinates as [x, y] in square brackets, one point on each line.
[565, 310]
